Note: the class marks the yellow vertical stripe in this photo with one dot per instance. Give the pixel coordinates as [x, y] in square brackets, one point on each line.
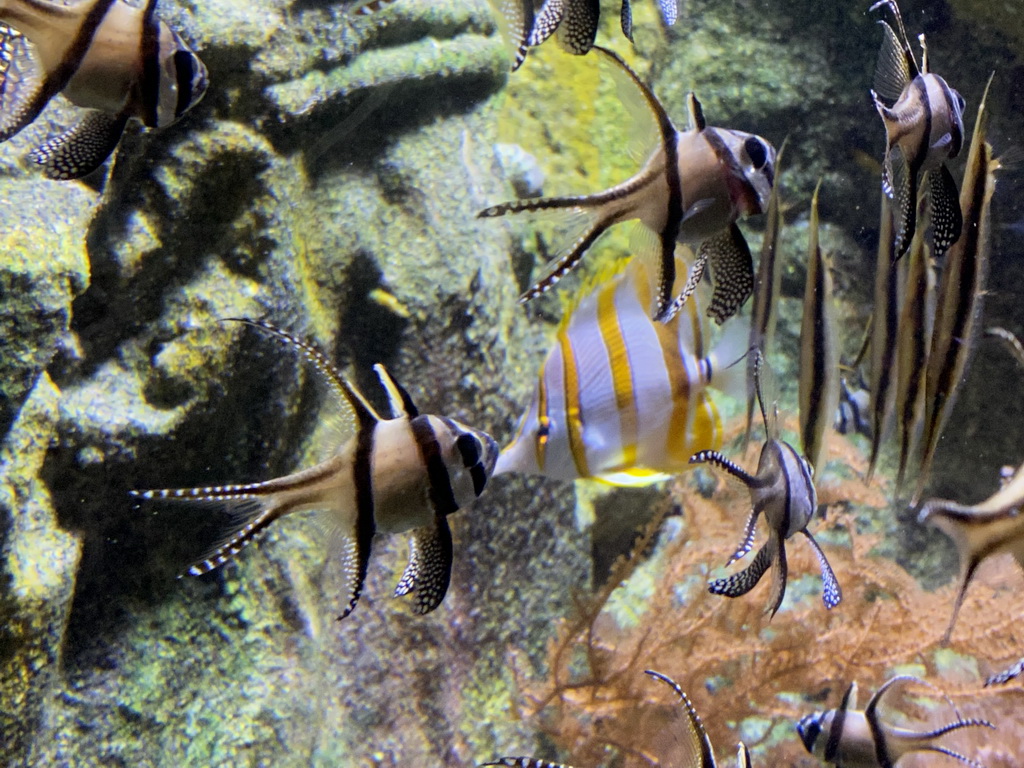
[622, 374]
[543, 420]
[573, 416]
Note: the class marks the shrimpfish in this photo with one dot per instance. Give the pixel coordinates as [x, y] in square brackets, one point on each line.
[118, 60]
[405, 471]
[853, 738]
[692, 189]
[783, 490]
[697, 750]
[622, 398]
[924, 127]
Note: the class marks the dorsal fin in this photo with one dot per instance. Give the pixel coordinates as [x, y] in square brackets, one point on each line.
[365, 414]
[697, 121]
[767, 395]
[835, 731]
[398, 398]
[696, 726]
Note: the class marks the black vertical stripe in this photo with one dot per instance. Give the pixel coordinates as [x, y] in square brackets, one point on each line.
[835, 732]
[439, 483]
[921, 153]
[818, 355]
[366, 526]
[149, 50]
[184, 74]
[58, 79]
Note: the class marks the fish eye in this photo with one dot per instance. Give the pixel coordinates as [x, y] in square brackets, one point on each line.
[469, 448]
[961, 103]
[756, 151]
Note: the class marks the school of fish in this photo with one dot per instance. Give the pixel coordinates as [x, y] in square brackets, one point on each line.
[627, 393]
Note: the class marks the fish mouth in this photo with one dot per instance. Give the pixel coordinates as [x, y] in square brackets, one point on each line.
[809, 729]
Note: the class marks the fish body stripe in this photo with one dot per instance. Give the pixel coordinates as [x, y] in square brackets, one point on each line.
[366, 526]
[150, 55]
[440, 492]
[622, 375]
[544, 421]
[573, 412]
[835, 732]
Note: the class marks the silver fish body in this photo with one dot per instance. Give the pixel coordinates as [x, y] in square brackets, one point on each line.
[406, 471]
[622, 398]
[853, 738]
[692, 189]
[783, 490]
[119, 60]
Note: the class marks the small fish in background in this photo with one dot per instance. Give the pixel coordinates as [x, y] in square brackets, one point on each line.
[622, 398]
[819, 351]
[853, 738]
[783, 490]
[117, 60]
[924, 126]
[692, 189]
[853, 410]
[960, 294]
[406, 471]
[693, 737]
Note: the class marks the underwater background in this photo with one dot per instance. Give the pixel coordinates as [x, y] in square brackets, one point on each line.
[329, 182]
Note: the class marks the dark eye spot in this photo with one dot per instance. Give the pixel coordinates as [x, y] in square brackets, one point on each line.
[469, 448]
[756, 152]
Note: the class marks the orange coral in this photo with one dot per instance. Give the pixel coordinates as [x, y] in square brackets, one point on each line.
[735, 665]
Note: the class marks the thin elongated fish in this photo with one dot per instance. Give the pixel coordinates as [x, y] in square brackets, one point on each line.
[692, 189]
[959, 298]
[767, 284]
[884, 323]
[622, 398]
[117, 60]
[819, 351]
[406, 471]
[783, 490]
[924, 127]
[693, 737]
[915, 330]
[853, 738]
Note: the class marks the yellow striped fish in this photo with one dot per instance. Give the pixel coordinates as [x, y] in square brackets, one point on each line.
[623, 398]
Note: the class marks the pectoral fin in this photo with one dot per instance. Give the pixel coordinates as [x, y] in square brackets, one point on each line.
[732, 271]
[947, 220]
[21, 83]
[430, 566]
[81, 149]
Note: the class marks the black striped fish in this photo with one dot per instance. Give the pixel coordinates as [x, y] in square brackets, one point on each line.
[783, 490]
[407, 471]
[959, 296]
[622, 398]
[117, 60]
[692, 189]
[819, 351]
[924, 127]
[693, 738]
[853, 738]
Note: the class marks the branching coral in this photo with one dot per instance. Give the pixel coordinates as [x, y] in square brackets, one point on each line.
[751, 679]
